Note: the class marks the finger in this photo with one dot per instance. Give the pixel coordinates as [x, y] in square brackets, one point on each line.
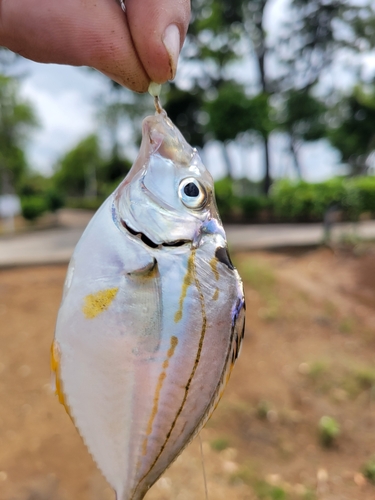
[158, 29]
[79, 33]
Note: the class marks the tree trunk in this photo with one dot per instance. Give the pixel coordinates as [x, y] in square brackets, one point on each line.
[267, 177]
[293, 150]
[227, 161]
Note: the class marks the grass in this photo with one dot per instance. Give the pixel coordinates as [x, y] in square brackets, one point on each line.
[258, 275]
[269, 489]
[343, 377]
[266, 491]
[262, 409]
[317, 369]
[262, 279]
[346, 326]
[365, 377]
[319, 374]
[262, 489]
[368, 470]
[220, 444]
[357, 380]
[329, 430]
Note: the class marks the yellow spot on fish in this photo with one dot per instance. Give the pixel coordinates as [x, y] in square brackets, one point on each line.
[96, 303]
[188, 280]
[213, 264]
[55, 368]
[216, 294]
[162, 376]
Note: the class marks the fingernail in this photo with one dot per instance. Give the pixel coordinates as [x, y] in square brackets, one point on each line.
[171, 40]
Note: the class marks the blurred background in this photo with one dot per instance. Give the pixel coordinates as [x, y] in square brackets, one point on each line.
[279, 98]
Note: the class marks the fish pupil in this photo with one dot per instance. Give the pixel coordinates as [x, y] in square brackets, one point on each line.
[191, 190]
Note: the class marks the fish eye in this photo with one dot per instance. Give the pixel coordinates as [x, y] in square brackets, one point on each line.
[192, 193]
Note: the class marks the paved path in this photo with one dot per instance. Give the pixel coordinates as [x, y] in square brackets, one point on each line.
[56, 245]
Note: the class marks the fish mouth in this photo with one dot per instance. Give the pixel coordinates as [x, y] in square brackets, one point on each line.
[147, 241]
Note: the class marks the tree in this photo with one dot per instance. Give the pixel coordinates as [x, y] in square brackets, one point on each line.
[247, 113]
[77, 170]
[17, 120]
[317, 31]
[302, 117]
[354, 135]
[212, 44]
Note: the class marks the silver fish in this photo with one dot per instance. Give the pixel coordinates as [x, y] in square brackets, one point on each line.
[152, 315]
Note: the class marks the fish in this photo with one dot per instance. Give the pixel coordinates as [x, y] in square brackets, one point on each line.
[152, 316]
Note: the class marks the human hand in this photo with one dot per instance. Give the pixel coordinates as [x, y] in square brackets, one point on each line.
[132, 49]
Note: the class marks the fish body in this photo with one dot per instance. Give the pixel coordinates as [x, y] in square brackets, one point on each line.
[152, 315]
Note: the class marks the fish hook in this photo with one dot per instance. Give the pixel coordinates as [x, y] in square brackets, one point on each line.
[154, 90]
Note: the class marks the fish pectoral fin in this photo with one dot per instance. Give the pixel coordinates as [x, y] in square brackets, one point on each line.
[138, 260]
[148, 269]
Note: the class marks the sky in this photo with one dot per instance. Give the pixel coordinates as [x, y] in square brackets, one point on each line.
[64, 100]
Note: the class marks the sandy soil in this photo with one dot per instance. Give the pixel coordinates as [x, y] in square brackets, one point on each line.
[308, 352]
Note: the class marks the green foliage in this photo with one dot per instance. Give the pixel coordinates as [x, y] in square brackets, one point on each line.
[262, 409]
[365, 378]
[185, 110]
[33, 207]
[251, 113]
[303, 115]
[296, 200]
[38, 195]
[34, 184]
[365, 187]
[77, 172]
[258, 275]
[329, 430]
[368, 470]
[85, 177]
[239, 199]
[266, 491]
[317, 369]
[113, 170]
[84, 203]
[302, 200]
[354, 135]
[17, 120]
[219, 444]
[54, 199]
[225, 197]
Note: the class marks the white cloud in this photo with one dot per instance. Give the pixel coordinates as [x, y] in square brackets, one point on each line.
[63, 98]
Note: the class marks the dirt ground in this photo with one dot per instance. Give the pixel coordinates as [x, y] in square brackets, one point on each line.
[308, 353]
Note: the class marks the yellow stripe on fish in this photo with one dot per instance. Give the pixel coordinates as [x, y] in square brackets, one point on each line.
[55, 368]
[188, 280]
[98, 302]
[174, 342]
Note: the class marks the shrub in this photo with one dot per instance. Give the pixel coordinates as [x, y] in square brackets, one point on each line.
[219, 444]
[366, 191]
[33, 207]
[308, 201]
[252, 205]
[85, 203]
[54, 200]
[369, 470]
[329, 429]
[303, 200]
[225, 197]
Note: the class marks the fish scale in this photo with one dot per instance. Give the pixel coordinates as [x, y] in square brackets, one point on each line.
[152, 316]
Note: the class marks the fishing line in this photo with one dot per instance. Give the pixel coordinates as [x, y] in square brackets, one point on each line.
[203, 468]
